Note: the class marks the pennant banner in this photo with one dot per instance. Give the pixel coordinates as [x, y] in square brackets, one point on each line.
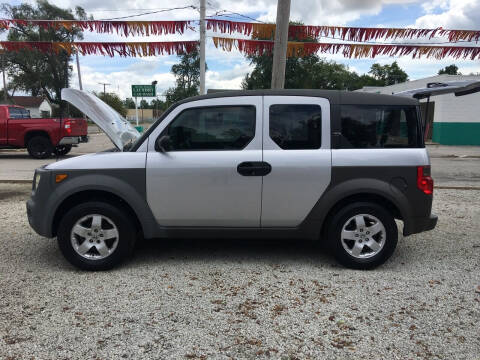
[125, 28]
[104, 48]
[302, 32]
[248, 47]
[257, 30]
[299, 49]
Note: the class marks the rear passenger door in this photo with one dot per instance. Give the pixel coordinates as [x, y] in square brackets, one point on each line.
[296, 143]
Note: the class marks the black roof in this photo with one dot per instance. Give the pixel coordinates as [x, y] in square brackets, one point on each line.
[333, 96]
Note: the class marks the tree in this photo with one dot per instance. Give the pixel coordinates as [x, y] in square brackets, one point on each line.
[187, 75]
[144, 104]
[307, 72]
[32, 71]
[449, 70]
[388, 74]
[114, 101]
[158, 104]
[129, 103]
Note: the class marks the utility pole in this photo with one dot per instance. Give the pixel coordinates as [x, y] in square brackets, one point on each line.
[280, 46]
[202, 47]
[104, 84]
[5, 93]
[78, 71]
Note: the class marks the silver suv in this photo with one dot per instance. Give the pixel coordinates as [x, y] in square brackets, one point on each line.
[334, 166]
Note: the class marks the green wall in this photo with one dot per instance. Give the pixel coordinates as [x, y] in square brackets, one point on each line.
[456, 133]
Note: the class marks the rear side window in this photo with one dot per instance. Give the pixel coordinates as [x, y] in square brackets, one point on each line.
[18, 113]
[296, 127]
[371, 126]
[212, 128]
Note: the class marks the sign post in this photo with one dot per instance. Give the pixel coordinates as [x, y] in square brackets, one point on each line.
[142, 91]
[136, 110]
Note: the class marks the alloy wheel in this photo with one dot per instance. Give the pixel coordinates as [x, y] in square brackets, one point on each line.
[363, 236]
[94, 237]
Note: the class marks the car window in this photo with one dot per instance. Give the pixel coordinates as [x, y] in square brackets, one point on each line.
[212, 128]
[18, 113]
[15, 113]
[371, 126]
[294, 127]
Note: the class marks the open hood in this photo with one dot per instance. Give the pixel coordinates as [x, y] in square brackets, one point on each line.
[459, 88]
[119, 130]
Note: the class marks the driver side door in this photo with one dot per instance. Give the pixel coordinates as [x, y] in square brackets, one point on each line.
[198, 181]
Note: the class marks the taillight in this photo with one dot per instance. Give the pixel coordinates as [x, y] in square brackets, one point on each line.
[424, 180]
[68, 127]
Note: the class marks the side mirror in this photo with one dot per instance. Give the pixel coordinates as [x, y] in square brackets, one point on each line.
[163, 143]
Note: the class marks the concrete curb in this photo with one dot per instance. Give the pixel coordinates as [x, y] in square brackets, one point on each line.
[15, 181]
[456, 187]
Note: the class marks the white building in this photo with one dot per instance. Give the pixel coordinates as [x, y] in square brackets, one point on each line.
[39, 106]
[455, 120]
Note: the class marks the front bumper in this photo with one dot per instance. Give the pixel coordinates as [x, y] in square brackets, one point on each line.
[417, 225]
[38, 211]
[35, 220]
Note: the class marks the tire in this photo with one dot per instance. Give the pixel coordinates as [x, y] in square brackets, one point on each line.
[363, 245]
[93, 250]
[61, 150]
[39, 147]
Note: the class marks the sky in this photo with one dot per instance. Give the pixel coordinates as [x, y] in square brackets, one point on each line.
[227, 69]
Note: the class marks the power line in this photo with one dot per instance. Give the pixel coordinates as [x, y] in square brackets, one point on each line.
[227, 13]
[152, 12]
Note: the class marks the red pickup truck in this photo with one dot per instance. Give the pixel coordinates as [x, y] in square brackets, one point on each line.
[41, 137]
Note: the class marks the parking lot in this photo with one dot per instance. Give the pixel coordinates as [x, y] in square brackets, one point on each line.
[246, 299]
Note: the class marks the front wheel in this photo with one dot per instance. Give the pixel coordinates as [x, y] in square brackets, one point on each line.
[96, 235]
[363, 235]
[61, 150]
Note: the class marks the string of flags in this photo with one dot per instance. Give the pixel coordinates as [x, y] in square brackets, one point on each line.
[111, 49]
[248, 47]
[125, 28]
[257, 30]
[360, 34]
[308, 34]
[300, 49]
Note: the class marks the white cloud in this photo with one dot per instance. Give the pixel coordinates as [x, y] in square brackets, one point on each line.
[228, 79]
[451, 14]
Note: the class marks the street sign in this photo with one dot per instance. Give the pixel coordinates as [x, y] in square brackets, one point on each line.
[143, 91]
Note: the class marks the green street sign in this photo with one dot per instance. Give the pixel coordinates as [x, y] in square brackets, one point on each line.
[143, 91]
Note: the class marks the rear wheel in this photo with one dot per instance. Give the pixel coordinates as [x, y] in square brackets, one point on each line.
[39, 147]
[96, 235]
[61, 150]
[363, 235]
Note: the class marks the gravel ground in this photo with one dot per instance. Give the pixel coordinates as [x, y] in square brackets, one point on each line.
[234, 299]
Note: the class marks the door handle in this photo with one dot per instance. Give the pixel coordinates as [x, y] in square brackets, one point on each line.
[254, 168]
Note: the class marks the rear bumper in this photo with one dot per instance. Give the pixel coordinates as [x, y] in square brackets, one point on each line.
[417, 225]
[71, 140]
